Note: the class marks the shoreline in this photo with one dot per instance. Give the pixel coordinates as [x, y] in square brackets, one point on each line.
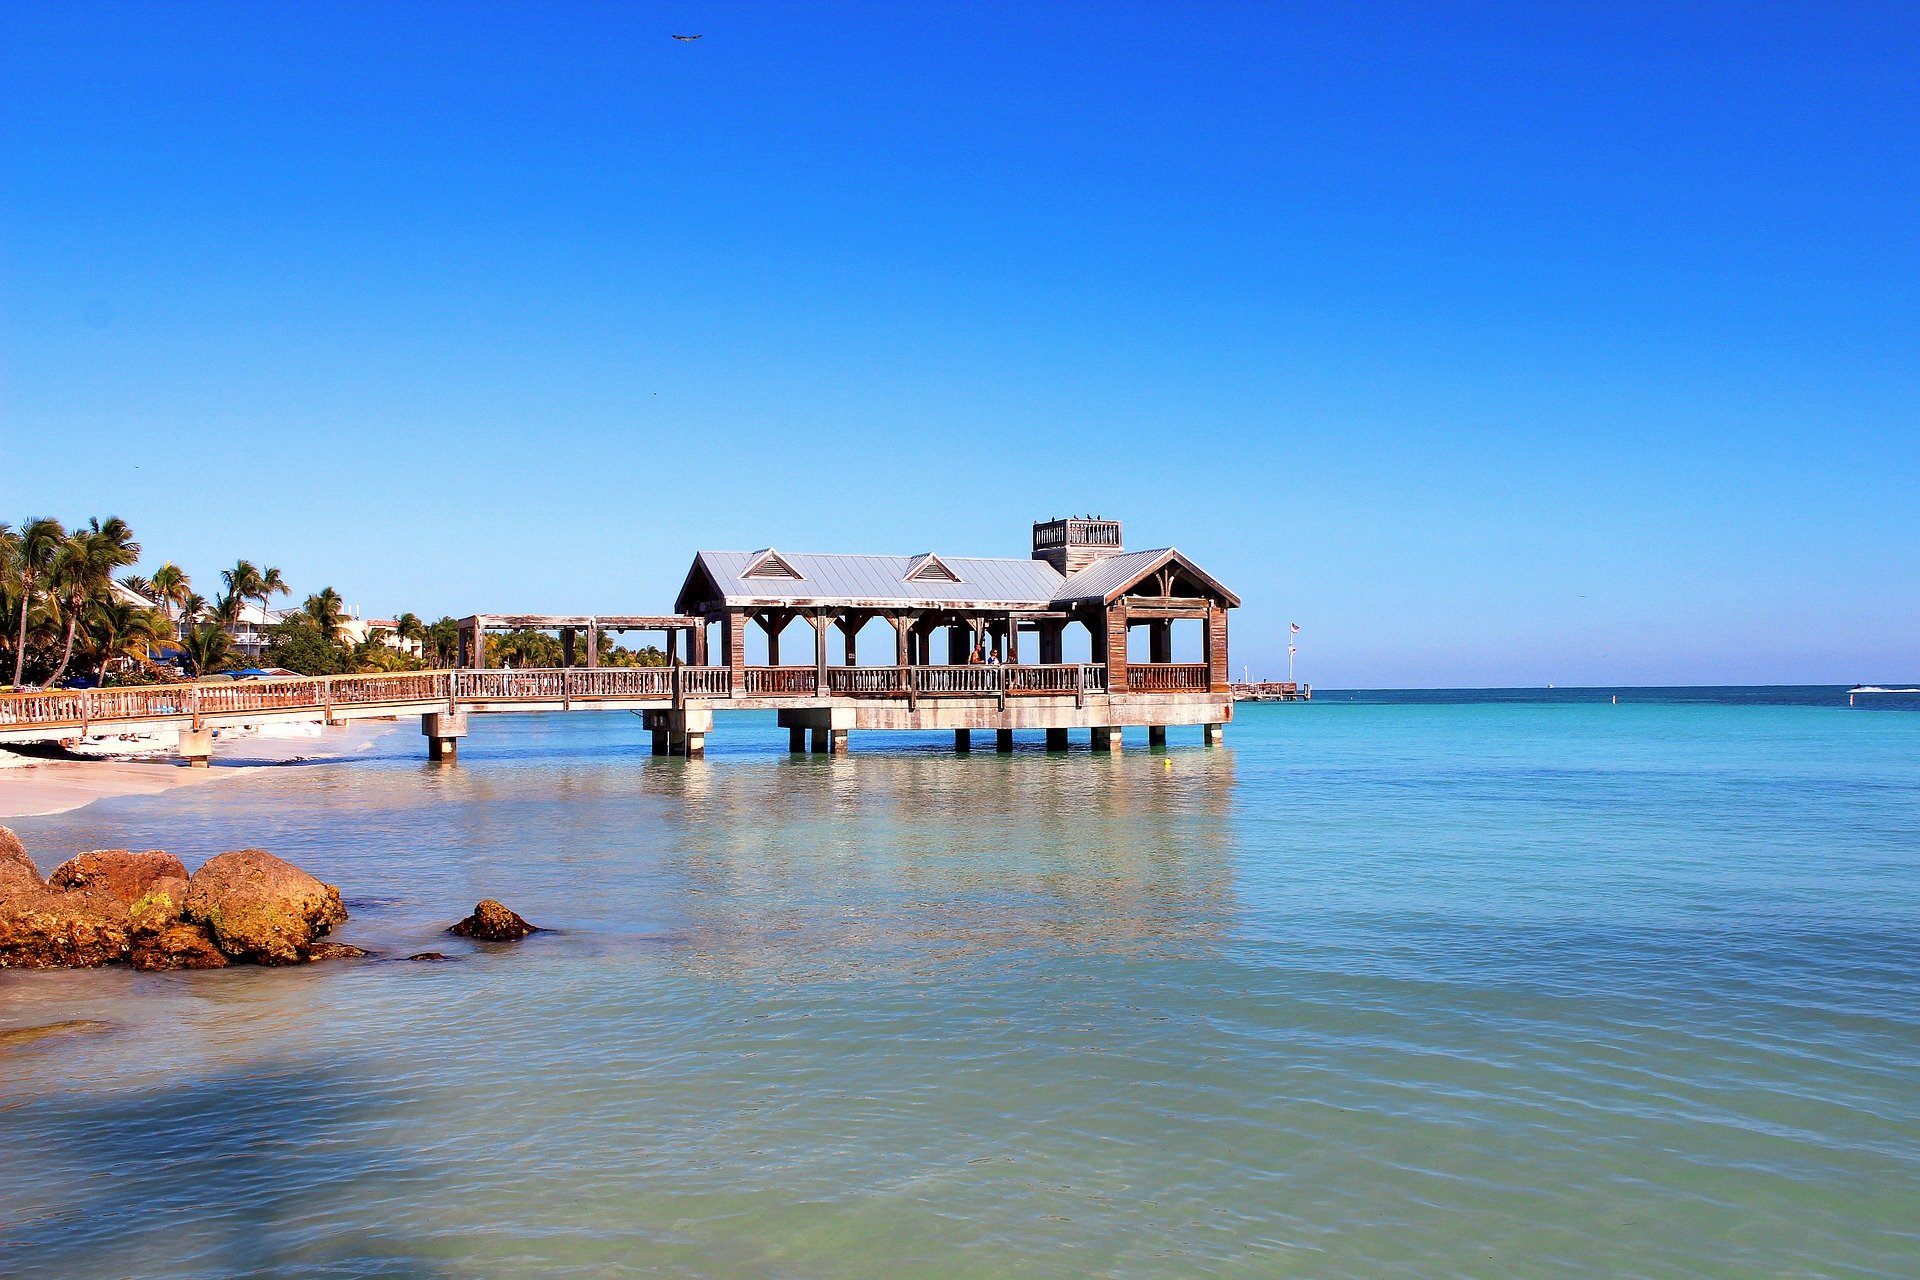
[31, 787]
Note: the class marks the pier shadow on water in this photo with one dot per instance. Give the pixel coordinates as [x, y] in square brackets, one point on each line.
[264, 1172]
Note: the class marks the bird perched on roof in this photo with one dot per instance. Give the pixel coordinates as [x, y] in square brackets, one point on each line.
[688, 38]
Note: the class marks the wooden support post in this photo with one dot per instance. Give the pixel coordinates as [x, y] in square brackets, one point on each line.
[1107, 738]
[1214, 734]
[963, 740]
[1056, 739]
[836, 742]
[822, 623]
[1219, 673]
[820, 739]
[773, 638]
[733, 644]
[902, 637]
[1003, 740]
[1160, 640]
[1113, 648]
[1050, 642]
[796, 740]
[566, 646]
[1156, 735]
[593, 644]
[660, 744]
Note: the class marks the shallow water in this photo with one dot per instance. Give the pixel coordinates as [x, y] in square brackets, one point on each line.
[1385, 987]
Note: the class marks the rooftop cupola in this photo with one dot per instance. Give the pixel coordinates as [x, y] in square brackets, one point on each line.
[1072, 544]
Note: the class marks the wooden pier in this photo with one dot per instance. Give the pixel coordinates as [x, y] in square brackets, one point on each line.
[977, 614]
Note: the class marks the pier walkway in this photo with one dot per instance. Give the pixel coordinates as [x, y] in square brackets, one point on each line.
[678, 702]
[980, 613]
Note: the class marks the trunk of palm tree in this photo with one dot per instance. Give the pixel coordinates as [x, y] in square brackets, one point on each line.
[20, 648]
[66, 654]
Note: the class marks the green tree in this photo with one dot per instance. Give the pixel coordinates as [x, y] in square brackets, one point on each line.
[443, 642]
[327, 612]
[82, 575]
[171, 589]
[298, 644]
[116, 629]
[208, 648]
[411, 630]
[243, 583]
[269, 585]
[36, 545]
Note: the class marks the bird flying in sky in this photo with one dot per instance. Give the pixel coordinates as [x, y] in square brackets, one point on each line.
[686, 37]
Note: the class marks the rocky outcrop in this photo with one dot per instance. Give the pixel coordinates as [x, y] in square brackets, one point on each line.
[114, 906]
[125, 875]
[334, 951]
[44, 929]
[178, 946]
[261, 908]
[15, 866]
[491, 922]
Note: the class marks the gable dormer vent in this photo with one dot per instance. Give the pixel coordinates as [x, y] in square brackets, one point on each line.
[930, 568]
[771, 564]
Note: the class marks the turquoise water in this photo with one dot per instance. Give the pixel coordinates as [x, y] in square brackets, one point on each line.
[1412, 987]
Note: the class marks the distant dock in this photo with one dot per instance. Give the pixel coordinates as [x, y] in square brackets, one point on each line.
[1271, 691]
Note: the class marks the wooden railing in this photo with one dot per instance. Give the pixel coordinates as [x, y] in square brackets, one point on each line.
[973, 680]
[869, 682]
[221, 698]
[782, 682]
[324, 694]
[1167, 677]
[1079, 677]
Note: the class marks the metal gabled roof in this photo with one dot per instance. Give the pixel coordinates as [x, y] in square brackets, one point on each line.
[1102, 580]
[879, 581]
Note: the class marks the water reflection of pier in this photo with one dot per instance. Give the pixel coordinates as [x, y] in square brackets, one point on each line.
[910, 864]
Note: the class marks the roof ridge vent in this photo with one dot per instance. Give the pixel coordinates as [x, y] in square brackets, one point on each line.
[771, 564]
[928, 567]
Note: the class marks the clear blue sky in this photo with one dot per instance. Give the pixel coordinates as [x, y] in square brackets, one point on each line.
[1496, 345]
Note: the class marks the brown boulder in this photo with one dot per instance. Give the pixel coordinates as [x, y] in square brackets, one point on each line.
[335, 951]
[76, 928]
[16, 868]
[261, 908]
[179, 946]
[491, 922]
[127, 876]
[159, 908]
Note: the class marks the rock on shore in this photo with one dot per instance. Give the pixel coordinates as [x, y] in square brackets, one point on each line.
[115, 906]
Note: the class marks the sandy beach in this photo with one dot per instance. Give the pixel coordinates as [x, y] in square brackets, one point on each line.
[31, 786]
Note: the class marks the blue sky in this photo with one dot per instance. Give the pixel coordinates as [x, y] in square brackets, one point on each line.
[1496, 345]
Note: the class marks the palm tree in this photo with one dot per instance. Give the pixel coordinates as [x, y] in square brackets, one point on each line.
[38, 541]
[411, 630]
[118, 629]
[243, 583]
[271, 584]
[208, 647]
[328, 612]
[171, 588]
[83, 574]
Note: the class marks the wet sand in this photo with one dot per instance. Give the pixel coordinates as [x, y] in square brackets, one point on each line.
[34, 787]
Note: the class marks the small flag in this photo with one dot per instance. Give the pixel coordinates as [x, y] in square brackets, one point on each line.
[1295, 626]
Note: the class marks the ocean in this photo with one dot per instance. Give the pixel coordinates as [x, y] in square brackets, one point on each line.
[1464, 983]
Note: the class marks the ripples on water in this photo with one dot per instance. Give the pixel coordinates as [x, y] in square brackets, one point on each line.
[1375, 990]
